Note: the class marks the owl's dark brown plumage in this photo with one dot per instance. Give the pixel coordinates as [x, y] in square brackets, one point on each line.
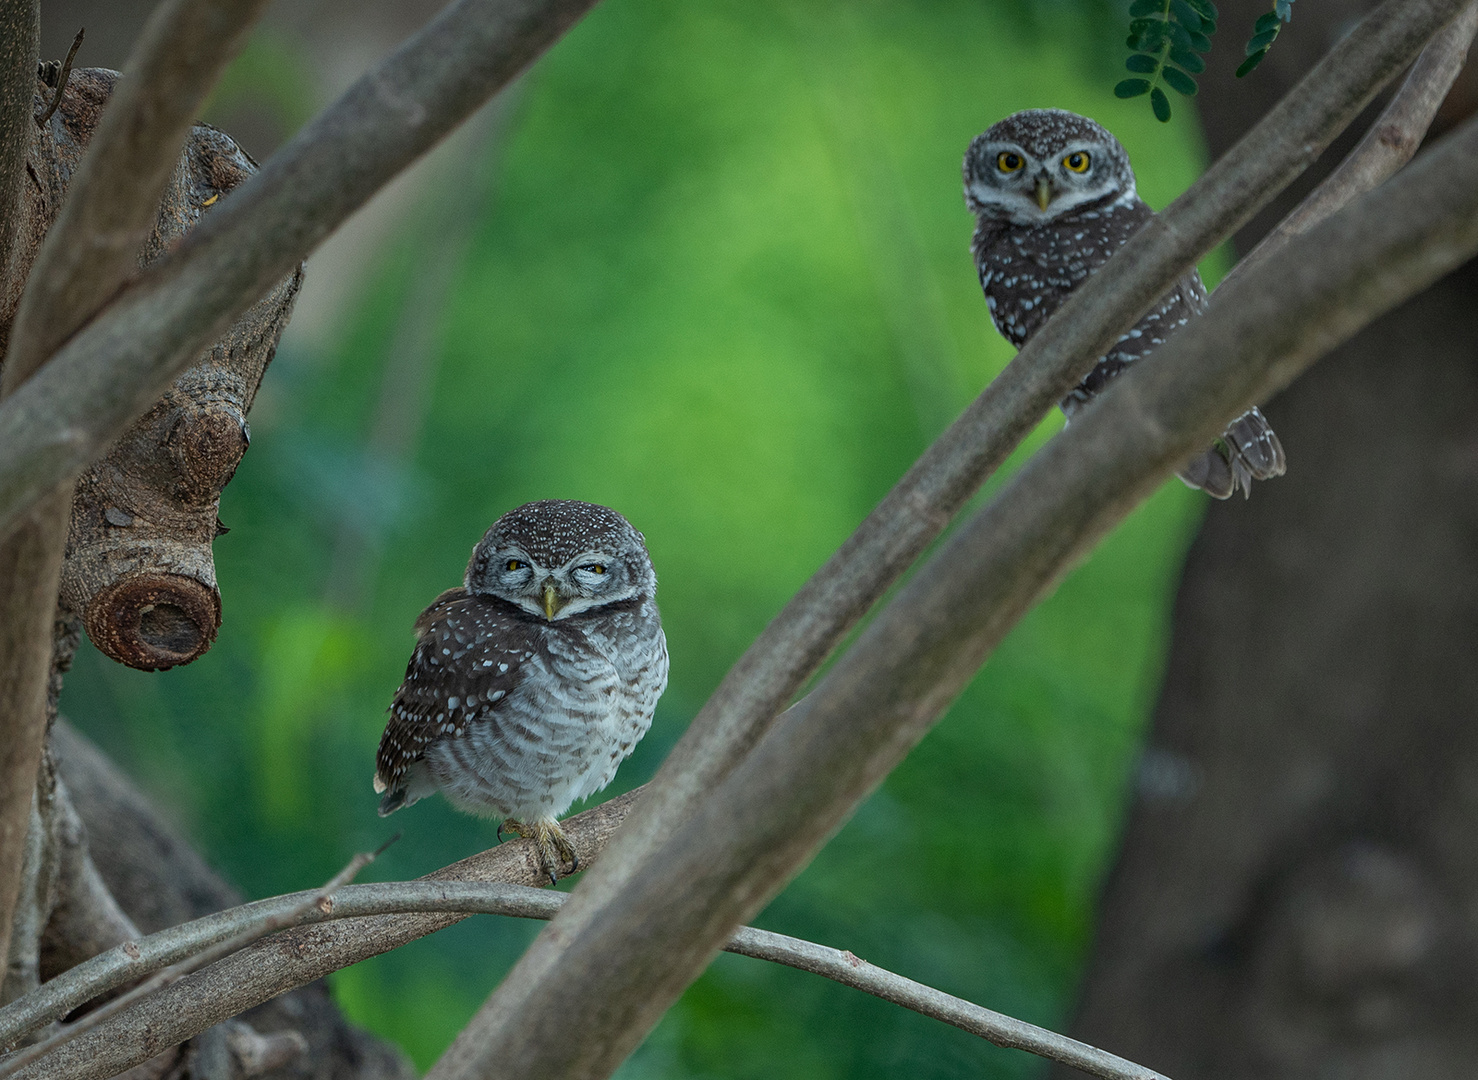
[1054, 197]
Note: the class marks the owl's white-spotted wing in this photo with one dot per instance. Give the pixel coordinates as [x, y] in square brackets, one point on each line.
[470, 656]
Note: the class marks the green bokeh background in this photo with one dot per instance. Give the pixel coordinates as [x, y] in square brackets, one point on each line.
[707, 265]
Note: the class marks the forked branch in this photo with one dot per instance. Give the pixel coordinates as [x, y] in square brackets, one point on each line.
[193, 942]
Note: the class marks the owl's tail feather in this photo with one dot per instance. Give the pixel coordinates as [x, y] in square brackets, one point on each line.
[1247, 451]
[392, 801]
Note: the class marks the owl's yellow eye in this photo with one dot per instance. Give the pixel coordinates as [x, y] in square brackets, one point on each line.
[1076, 162]
[596, 568]
[515, 564]
[1009, 162]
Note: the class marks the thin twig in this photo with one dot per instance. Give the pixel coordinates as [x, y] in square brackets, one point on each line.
[522, 901]
[287, 913]
[1390, 143]
[998, 1028]
[61, 82]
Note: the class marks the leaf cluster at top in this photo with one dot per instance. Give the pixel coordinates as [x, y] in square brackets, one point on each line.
[1168, 39]
[1264, 33]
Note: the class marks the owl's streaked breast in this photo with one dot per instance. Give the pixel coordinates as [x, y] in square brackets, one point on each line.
[584, 700]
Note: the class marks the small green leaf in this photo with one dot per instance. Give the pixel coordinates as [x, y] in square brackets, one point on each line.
[1208, 27]
[1188, 60]
[1147, 26]
[1143, 64]
[1206, 8]
[1261, 41]
[1267, 21]
[1179, 81]
[1148, 43]
[1160, 104]
[1251, 62]
[1132, 88]
[1180, 37]
[1186, 15]
[1140, 8]
[1199, 42]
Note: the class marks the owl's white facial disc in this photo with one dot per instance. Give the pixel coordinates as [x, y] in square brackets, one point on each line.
[533, 557]
[1038, 165]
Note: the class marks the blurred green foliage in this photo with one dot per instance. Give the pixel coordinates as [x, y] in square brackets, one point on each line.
[711, 271]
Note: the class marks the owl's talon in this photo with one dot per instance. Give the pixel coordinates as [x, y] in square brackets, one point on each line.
[554, 849]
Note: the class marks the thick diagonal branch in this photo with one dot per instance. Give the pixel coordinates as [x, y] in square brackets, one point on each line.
[111, 371]
[20, 31]
[796, 643]
[1390, 142]
[916, 511]
[625, 967]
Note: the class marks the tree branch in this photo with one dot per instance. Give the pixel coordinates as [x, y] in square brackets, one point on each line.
[86, 919]
[161, 881]
[1390, 143]
[522, 901]
[620, 972]
[795, 644]
[288, 913]
[287, 960]
[88, 253]
[20, 33]
[116, 367]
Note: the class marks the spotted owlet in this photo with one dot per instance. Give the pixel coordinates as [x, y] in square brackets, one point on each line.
[531, 683]
[1053, 197]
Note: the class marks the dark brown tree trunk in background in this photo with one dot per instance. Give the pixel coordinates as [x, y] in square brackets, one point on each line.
[1297, 893]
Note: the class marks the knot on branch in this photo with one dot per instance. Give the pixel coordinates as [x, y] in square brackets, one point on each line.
[154, 621]
[139, 569]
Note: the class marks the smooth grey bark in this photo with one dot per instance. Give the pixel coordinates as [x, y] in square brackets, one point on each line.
[1297, 887]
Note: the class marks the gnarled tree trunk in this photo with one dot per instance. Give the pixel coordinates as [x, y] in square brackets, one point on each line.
[1297, 893]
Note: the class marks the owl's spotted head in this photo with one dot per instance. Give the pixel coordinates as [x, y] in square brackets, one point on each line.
[1039, 164]
[557, 557]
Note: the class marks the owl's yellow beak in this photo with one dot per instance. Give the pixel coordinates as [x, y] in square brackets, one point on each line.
[552, 602]
[1044, 192]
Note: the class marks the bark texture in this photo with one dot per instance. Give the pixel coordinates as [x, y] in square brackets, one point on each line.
[160, 881]
[1297, 888]
[138, 568]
